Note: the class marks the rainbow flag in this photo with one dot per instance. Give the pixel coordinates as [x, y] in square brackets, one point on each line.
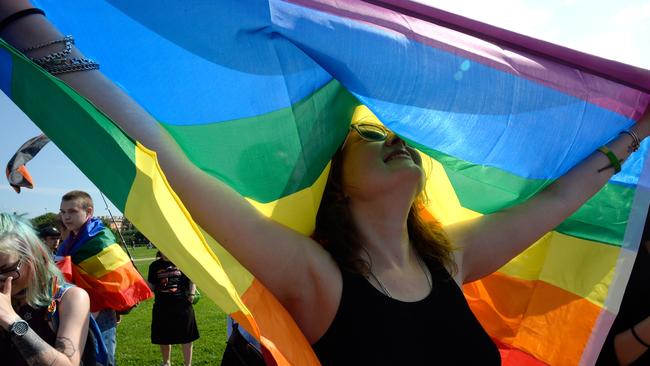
[94, 261]
[260, 95]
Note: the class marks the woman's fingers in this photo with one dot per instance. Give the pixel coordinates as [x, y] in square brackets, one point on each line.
[6, 286]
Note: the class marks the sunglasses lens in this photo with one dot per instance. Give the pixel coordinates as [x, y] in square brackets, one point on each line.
[372, 133]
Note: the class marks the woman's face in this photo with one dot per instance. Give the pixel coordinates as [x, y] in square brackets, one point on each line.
[373, 167]
[20, 269]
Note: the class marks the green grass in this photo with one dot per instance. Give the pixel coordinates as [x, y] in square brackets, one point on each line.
[134, 332]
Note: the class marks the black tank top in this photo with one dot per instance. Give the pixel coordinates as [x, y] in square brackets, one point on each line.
[372, 329]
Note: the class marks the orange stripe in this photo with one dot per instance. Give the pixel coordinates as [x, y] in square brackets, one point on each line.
[120, 289]
[279, 329]
[549, 323]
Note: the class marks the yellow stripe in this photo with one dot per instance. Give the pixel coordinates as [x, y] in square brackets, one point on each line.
[442, 201]
[155, 209]
[582, 267]
[109, 259]
[298, 210]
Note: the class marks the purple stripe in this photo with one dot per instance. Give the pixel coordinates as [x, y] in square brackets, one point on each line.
[535, 65]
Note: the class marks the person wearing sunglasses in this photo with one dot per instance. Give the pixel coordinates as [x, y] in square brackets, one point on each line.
[375, 284]
[29, 281]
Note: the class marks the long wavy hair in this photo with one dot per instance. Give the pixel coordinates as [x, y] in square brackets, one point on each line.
[17, 237]
[338, 233]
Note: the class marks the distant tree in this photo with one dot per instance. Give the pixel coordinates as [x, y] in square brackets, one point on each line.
[106, 220]
[133, 236]
[48, 219]
[127, 225]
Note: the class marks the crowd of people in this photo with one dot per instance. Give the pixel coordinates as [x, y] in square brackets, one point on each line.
[52, 312]
[371, 253]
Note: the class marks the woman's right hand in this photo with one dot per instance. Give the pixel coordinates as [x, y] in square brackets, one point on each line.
[7, 313]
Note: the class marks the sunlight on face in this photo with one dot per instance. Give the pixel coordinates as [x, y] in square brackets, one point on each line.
[74, 215]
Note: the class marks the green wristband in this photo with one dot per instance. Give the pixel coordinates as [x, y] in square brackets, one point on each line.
[613, 159]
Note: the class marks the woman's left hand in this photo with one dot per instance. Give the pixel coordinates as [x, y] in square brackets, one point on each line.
[7, 313]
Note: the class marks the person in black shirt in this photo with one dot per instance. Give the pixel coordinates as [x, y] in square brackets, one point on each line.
[172, 320]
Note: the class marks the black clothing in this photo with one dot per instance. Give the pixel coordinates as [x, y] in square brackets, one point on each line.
[170, 283]
[38, 322]
[634, 308]
[172, 319]
[372, 329]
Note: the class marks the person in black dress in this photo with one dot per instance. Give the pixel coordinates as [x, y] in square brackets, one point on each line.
[172, 320]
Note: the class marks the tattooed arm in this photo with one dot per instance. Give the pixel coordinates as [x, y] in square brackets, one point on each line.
[70, 337]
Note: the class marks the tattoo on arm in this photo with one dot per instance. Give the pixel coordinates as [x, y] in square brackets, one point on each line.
[65, 346]
[35, 350]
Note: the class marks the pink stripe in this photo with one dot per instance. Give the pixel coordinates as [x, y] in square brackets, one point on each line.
[541, 67]
[597, 339]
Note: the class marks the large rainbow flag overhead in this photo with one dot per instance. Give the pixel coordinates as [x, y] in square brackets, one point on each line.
[259, 94]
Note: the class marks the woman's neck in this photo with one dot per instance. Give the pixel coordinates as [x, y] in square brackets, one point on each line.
[382, 226]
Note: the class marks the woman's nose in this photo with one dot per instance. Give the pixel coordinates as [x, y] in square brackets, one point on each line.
[393, 139]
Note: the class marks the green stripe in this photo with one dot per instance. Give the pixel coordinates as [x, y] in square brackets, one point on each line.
[94, 245]
[487, 189]
[604, 217]
[274, 155]
[87, 137]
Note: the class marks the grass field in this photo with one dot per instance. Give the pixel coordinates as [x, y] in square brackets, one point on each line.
[133, 334]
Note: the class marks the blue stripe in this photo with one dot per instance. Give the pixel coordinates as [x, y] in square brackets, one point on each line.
[191, 62]
[219, 61]
[6, 67]
[449, 103]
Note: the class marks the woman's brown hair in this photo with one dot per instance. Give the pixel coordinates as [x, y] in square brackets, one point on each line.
[337, 232]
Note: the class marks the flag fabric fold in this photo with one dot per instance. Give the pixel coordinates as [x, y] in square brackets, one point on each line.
[262, 101]
[94, 261]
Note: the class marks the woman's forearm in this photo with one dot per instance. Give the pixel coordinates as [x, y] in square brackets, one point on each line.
[627, 348]
[36, 351]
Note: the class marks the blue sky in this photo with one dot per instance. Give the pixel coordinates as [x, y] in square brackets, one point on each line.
[617, 30]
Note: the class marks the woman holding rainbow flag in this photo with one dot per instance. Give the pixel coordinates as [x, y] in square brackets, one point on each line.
[374, 264]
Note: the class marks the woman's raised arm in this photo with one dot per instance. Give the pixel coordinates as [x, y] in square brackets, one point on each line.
[490, 241]
[287, 262]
